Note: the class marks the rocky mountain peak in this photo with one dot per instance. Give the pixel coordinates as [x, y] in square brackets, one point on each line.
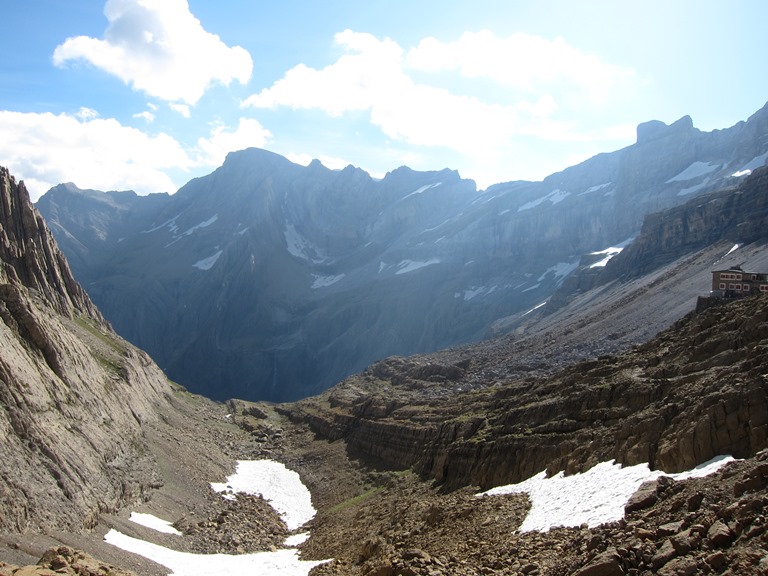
[654, 129]
[255, 156]
[30, 256]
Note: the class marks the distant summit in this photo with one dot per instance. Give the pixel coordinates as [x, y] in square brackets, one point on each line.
[648, 131]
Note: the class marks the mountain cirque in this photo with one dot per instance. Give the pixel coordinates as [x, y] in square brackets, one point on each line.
[395, 455]
[298, 276]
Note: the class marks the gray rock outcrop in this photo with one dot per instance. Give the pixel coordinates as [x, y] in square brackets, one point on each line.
[73, 394]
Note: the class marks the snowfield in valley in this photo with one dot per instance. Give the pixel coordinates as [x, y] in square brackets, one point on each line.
[281, 487]
[594, 497]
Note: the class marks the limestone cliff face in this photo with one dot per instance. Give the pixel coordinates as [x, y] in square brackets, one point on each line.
[739, 214]
[73, 395]
[695, 391]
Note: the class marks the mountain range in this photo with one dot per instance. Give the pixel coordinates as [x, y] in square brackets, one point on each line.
[270, 280]
[93, 432]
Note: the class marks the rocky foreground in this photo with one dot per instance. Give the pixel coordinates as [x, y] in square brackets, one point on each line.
[714, 525]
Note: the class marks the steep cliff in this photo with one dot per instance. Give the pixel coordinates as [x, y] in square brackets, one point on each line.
[73, 394]
[739, 214]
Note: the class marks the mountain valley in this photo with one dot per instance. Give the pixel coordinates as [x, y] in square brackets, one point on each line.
[594, 364]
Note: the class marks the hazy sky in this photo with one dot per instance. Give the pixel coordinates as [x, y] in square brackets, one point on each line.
[147, 94]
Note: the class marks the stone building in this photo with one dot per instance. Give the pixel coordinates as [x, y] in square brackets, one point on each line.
[735, 283]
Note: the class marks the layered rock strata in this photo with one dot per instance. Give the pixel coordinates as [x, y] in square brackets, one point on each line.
[696, 391]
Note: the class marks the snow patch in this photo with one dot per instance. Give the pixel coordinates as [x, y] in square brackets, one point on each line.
[297, 539]
[443, 223]
[422, 189]
[554, 197]
[474, 292]
[207, 263]
[323, 281]
[281, 487]
[609, 253]
[295, 242]
[174, 228]
[594, 497]
[747, 169]
[153, 522]
[596, 188]
[732, 250]
[298, 245]
[695, 170]
[197, 227]
[278, 485]
[535, 308]
[410, 265]
[171, 224]
[560, 270]
[279, 563]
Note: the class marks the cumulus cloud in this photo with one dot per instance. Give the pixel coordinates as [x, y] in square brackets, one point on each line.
[148, 116]
[159, 48]
[537, 80]
[303, 159]
[373, 70]
[48, 149]
[86, 113]
[524, 62]
[249, 133]
[182, 109]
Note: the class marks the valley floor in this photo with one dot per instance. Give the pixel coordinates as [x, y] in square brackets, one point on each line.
[374, 522]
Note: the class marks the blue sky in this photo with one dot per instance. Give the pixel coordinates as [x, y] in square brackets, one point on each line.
[147, 94]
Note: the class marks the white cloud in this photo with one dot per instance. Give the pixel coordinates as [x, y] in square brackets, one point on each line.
[332, 162]
[349, 84]
[48, 149]
[521, 61]
[146, 115]
[249, 133]
[182, 109]
[159, 48]
[540, 81]
[87, 113]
